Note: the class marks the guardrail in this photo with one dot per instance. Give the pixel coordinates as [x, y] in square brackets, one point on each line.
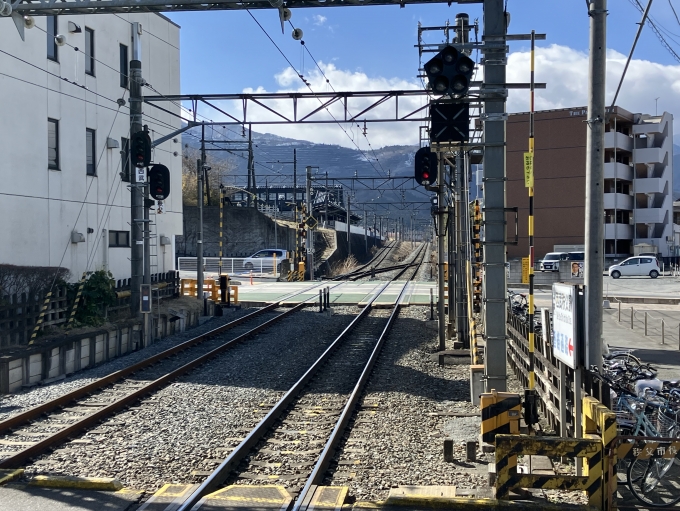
[233, 266]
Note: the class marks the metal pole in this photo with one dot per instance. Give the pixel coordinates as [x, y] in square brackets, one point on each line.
[440, 255]
[645, 323]
[365, 233]
[276, 224]
[452, 259]
[325, 202]
[199, 233]
[594, 223]
[632, 313]
[349, 239]
[310, 233]
[494, 310]
[221, 198]
[251, 163]
[459, 253]
[136, 194]
[531, 410]
[297, 242]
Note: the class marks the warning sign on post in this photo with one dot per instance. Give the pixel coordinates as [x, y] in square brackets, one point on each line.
[564, 323]
[525, 270]
[529, 170]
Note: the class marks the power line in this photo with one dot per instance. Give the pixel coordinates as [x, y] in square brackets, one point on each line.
[310, 88]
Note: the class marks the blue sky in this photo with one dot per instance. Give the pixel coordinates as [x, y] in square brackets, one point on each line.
[225, 51]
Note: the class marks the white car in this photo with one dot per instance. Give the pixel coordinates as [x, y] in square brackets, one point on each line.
[635, 266]
[551, 261]
[263, 260]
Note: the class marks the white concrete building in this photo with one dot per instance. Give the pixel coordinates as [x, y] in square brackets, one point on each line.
[62, 132]
[638, 182]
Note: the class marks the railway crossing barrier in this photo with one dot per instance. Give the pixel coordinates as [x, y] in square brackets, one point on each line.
[188, 287]
[597, 448]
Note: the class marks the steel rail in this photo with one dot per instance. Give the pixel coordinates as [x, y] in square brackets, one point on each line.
[94, 418]
[378, 259]
[65, 399]
[222, 473]
[336, 436]
[421, 250]
[90, 420]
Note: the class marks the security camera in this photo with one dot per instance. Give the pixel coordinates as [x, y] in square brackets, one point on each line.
[29, 22]
[297, 34]
[60, 39]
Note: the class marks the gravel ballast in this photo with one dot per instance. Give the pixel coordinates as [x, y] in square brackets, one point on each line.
[187, 426]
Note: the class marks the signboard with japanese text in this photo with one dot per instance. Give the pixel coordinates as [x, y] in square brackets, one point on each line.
[525, 270]
[529, 170]
[564, 323]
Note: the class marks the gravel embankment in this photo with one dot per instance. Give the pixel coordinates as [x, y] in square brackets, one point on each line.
[16, 403]
[398, 436]
[193, 423]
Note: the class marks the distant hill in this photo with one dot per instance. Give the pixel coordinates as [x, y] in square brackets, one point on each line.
[338, 161]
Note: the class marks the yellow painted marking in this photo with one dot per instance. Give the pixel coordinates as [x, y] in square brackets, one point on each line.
[8, 475]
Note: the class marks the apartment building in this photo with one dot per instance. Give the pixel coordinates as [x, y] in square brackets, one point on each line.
[637, 183]
[65, 197]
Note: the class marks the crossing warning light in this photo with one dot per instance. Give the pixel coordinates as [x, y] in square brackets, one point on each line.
[425, 166]
[159, 182]
[449, 72]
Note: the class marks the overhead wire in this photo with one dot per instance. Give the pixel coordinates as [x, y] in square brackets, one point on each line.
[310, 88]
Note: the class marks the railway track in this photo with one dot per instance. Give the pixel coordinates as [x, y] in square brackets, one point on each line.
[297, 440]
[375, 262]
[43, 427]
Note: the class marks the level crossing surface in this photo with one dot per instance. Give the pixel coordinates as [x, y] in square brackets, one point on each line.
[345, 293]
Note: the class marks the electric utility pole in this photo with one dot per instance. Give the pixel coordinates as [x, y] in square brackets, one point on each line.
[310, 233]
[441, 233]
[200, 164]
[494, 118]
[136, 187]
[594, 228]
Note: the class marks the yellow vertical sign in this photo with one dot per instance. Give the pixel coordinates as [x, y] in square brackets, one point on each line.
[529, 170]
[525, 270]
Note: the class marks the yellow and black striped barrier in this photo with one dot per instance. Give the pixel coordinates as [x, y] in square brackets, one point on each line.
[76, 302]
[598, 446]
[508, 447]
[600, 423]
[500, 414]
[41, 317]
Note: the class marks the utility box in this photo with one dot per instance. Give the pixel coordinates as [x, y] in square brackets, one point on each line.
[476, 383]
[500, 414]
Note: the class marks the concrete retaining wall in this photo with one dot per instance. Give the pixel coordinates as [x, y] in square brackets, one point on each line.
[57, 359]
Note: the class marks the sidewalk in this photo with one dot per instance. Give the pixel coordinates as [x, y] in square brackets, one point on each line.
[665, 357]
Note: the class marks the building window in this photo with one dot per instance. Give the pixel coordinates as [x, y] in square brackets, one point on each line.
[124, 66]
[51, 43]
[53, 144]
[119, 238]
[125, 160]
[91, 150]
[89, 51]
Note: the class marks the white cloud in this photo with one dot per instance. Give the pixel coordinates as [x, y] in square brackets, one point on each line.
[319, 19]
[565, 72]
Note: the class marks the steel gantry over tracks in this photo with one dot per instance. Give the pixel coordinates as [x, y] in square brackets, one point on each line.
[50, 7]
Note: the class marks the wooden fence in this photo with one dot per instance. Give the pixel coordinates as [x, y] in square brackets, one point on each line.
[548, 376]
[19, 313]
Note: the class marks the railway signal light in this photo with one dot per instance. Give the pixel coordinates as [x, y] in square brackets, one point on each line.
[140, 149]
[159, 182]
[450, 122]
[425, 166]
[449, 72]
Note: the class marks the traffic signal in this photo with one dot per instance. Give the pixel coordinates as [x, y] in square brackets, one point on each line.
[449, 72]
[450, 122]
[425, 166]
[140, 149]
[159, 182]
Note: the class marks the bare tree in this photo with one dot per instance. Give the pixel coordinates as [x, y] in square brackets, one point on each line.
[219, 170]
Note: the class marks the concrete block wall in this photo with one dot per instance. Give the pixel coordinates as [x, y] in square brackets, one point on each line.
[74, 353]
